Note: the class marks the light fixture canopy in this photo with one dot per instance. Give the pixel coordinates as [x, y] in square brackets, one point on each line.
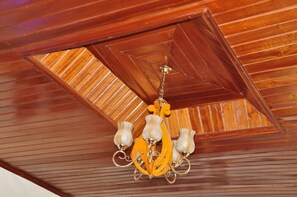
[148, 156]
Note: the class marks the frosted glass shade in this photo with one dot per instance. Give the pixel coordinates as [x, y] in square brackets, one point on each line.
[152, 129]
[175, 154]
[124, 137]
[185, 143]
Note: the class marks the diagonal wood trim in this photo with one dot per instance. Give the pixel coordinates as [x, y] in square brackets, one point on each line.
[252, 94]
[69, 89]
[37, 181]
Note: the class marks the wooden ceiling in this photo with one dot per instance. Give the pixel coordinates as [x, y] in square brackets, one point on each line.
[202, 69]
[94, 83]
[36, 125]
[61, 138]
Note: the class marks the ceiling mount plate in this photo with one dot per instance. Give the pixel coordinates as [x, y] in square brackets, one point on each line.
[165, 69]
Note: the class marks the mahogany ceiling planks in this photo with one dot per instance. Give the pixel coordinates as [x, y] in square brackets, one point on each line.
[196, 56]
[93, 81]
[37, 117]
[90, 79]
[71, 34]
[247, 166]
[269, 58]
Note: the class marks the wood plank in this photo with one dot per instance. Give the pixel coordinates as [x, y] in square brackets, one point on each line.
[240, 114]
[262, 32]
[206, 100]
[253, 9]
[280, 81]
[268, 18]
[206, 119]
[264, 44]
[292, 70]
[46, 6]
[9, 66]
[282, 98]
[195, 119]
[282, 62]
[229, 117]
[217, 117]
[292, 111]
[265, 55]
[279, 90]
[237, 133]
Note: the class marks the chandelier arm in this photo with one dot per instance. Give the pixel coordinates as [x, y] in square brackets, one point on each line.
[168, 175]
[173, 168]
[124, 157]
[137, 174]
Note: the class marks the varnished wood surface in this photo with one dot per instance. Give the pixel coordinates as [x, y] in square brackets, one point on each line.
[90, 79]
[40, 121]
[203, 71]
[262, 34]
[94, 82]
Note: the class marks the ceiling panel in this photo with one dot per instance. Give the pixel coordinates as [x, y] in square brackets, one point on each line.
[94, 82]
[191, 48]
[262, 34]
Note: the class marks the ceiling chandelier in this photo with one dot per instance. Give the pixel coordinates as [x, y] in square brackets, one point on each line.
[151, 157]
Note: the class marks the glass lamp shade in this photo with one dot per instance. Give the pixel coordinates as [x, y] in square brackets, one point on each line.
[175, 154]
[124, 137]
[185, 143]
[152, 129]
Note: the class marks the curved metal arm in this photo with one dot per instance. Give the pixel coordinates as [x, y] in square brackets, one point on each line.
[168, 175]
[173, 168]
[124, 157]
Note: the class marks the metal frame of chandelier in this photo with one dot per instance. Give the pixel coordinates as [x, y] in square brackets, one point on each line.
[169, 160]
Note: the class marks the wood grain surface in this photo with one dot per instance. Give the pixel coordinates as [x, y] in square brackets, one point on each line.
[49, 135]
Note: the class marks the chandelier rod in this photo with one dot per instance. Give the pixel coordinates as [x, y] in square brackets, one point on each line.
[164, 70]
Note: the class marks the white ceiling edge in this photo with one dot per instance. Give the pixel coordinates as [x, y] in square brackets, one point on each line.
[12, 185]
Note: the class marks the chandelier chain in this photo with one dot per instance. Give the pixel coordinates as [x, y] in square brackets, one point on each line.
[164, 70]
[162, 87]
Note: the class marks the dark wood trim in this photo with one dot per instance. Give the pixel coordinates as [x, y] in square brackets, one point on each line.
[27, 176]
[255, 94]
[70, 90]
[113, 31]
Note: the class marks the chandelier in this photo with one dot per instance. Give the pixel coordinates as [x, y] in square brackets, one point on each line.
[154, 154]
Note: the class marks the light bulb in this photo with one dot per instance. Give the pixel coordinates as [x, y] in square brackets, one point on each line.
[185, 142]
[152, 129]
[123, 137]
